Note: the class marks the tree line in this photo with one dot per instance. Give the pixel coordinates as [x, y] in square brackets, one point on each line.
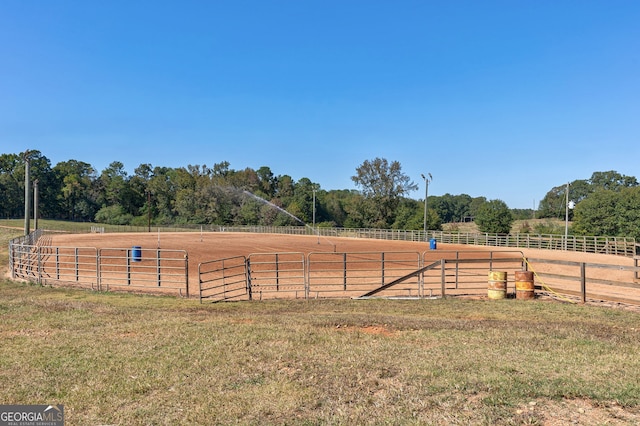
[199, 194]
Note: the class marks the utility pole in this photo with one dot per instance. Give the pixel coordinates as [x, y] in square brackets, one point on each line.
[36, 195]
[426, 194]
[566, 217]
[314, 215]
[149, 210]
[27, 192]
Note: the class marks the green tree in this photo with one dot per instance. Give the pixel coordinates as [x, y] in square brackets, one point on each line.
[162, 188]
[335, 204]
[382, 184]
[11, 185]
[12, 169]
[608, 212]
[454, 208]
[267, 181]
[612, 180]
[494, 217]
[554, 202]
[77, 196]
[628, 213]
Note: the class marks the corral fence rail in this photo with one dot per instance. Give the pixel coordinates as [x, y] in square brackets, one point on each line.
[273, 275]
[406, 275]
[224, 279]
[588, 280]
[144, 269]
[352, 274]
[621, 246]
[149, 270]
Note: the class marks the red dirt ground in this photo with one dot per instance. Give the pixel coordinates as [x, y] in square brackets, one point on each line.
[217, 245]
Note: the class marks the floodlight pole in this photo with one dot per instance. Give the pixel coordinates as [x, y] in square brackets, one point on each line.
[149, 210]
[36, 195]
[566, 217]
[314, 215]
[426, 194]
[27, 192]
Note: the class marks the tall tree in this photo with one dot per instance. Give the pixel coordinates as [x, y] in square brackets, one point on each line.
[494, 217]
[382, 184]
[76, 195]
[612, 180]
[11, 185]
[611, 213]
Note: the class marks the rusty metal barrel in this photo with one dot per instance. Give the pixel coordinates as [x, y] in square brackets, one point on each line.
[497, 285]
[525, 286]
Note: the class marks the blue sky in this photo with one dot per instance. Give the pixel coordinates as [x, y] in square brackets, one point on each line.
[502, 99]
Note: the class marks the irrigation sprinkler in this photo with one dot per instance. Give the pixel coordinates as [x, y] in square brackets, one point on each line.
[280, 209]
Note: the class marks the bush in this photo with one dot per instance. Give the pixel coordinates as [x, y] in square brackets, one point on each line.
[113, 215]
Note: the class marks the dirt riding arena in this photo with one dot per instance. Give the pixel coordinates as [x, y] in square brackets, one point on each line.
[208, 246]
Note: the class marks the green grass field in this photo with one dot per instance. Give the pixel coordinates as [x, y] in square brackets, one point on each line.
[129, 360]
[140, 360]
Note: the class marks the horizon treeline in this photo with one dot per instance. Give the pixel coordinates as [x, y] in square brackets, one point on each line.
[198, 194]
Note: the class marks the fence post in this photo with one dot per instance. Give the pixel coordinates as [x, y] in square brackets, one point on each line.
[247, 262]
[307, 273]
[128, 267]
[98, 274]
[421, 276]
[158, 268]
[457, 267]
[12, 259]
[344, 271]
[583, 282]
[443, 262]
[186, 273]
[39, 253]
[277, 274]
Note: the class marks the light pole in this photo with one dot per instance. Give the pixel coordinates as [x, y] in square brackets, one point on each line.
[27, 192]
[36, 197]
[426, 194]
[567, 205]
[314, 215]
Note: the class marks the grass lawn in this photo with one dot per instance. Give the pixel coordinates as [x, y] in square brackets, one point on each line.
[129, 359]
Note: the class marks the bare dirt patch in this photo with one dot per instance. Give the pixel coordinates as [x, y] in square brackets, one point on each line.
[575, 411]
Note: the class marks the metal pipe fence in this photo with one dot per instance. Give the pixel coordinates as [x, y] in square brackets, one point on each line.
[155, 270]
[408, 275]
[352, 274]
[224, 279]
[595, 281]
[324, 274]
[621, 246]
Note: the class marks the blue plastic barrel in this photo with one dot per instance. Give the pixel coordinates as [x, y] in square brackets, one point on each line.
[433, 244]
[136, 254]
